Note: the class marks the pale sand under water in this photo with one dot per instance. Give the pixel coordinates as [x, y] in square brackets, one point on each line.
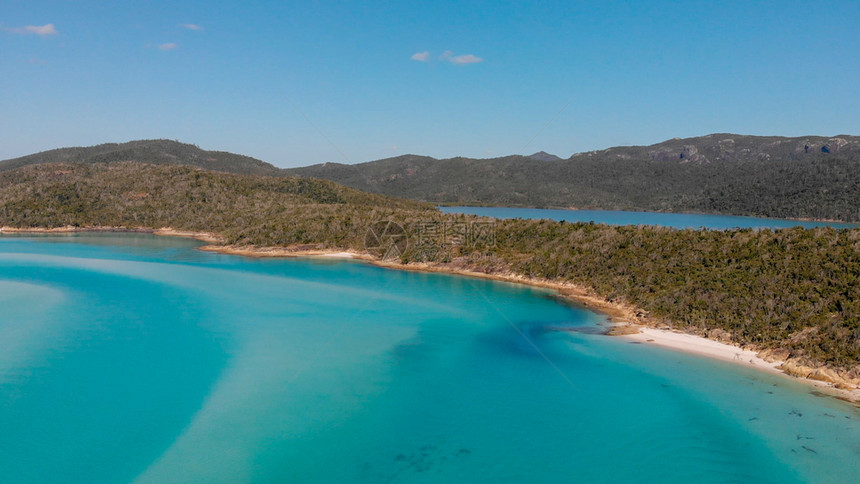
[617, 312]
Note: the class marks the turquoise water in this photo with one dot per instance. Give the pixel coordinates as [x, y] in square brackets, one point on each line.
[134, 358]
[621, 217]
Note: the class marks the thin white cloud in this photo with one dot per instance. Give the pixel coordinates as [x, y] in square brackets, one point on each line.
[421, 56]
[167, 46]
[466, 59]
[47, 29]
[191, 26]
[448, 56]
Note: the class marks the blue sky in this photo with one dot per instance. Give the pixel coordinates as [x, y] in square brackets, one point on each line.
[295, 83]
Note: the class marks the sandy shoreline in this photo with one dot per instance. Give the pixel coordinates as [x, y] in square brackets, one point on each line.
[702, 346]
[201, 236]
[71, 230]
[631, 322]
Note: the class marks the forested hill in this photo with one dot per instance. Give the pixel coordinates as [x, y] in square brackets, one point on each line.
[160, 152]
[803, 177]
[242, 208]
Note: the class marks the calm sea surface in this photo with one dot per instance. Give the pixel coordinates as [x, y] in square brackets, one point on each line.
[133, 358]
[620, 217]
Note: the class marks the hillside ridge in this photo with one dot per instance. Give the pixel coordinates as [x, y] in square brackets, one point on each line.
[153, 151]
[806, 177]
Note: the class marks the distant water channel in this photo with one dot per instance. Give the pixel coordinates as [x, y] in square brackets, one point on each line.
[621, 217]
[132, 358]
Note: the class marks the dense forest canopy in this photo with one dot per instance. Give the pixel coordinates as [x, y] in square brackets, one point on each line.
[806, 177]
[795, 290]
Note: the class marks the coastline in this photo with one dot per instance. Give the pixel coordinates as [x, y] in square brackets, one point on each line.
[822, 378]
[70, 229]
[628, 321]
[702, 346]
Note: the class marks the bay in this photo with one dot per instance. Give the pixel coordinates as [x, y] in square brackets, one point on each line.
[135, 358]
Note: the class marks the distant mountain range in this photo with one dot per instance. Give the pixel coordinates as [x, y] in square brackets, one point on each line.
[802, 177]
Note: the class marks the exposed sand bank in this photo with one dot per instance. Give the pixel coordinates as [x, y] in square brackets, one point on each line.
[201, 236]
[339, 255]
[632, 323]
[300, 251]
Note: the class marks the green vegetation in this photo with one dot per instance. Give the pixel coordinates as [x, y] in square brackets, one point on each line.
[793, 289]
[720, 173]
[243, 209]
[157, 152]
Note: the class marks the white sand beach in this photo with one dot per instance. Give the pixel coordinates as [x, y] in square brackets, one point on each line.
[702, 346]
[339, 255]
